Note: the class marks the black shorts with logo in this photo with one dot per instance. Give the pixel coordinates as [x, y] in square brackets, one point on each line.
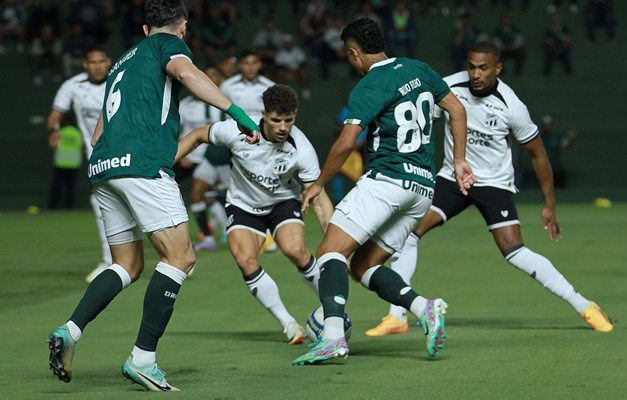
[283, 213]
[496, 205]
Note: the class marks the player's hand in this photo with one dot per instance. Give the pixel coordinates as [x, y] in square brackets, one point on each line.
[308, 195]
[53, 140]
[464, 176]
[551, 224]
[251, 137]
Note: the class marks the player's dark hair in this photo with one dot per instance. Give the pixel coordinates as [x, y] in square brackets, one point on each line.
[160, 13]
[95, 48]
[281, 99]
[486, 48]
[367, 33]
[248, 52]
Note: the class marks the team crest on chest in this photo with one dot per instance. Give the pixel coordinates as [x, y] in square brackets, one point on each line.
[491, 120]
[280, 166]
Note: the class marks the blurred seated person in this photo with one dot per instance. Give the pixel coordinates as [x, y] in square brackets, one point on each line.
[267, 42]
[312, 28]
[13, 20]
[133, 22]
[554, 144]
[291, 60]
[332, 49]
[557, 42]
[74, 48]
[218, 30]
[511, 43]
[466, 34]
[401, 30]
[600, 14]
[45, 52]
[90, 14]
[228, 66]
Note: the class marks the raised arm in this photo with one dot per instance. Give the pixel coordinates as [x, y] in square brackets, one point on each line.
[544, 173]
[463, 173]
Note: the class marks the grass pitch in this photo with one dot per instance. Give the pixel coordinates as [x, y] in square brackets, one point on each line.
[508, 337]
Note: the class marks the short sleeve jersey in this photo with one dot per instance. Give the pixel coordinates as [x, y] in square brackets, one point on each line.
[246, 94]
[141, 117]
[490, 120]
[264, 174]
[397, 98]
[85, 99]
[194, 114]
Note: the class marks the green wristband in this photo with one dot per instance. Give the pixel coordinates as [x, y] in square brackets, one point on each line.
[242, 119]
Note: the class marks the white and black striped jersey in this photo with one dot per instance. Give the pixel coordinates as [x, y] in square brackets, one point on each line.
[264, 174]
[246, 94]
[194, 114]
[85, 99]
[491, 118]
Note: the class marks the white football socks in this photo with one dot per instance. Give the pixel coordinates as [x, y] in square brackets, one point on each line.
[266, 292]
[404, 264]
[543, 271]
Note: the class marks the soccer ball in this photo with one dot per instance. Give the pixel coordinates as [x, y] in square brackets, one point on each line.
[315, 325]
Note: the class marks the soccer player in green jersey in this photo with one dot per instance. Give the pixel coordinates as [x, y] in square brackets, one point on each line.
[135, 142]
[396, 97]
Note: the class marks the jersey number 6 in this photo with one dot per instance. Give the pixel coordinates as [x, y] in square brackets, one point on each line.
[114, 98]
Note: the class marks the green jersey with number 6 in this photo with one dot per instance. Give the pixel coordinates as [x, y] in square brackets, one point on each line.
[398, 96]
[140, 113]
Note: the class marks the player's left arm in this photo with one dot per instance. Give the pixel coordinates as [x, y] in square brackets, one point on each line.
[457, 112]
[98, 130]
[323, 208]
[544, 173]
[337, 157]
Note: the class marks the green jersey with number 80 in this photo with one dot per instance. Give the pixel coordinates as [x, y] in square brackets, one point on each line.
[140, 113]
[398, 96]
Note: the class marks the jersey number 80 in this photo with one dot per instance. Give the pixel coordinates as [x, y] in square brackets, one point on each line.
[414, 123]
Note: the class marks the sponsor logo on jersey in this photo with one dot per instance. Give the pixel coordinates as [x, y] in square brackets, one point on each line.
[110, 163]
[268, 183]
[409, 86]
[416, 170]
[479, 138]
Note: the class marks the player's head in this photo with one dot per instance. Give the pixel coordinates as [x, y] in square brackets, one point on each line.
[362, 37]
[170, 15]
[97, 64]
[484, 66]
[249, 64]
[215, 74]
[280, 104]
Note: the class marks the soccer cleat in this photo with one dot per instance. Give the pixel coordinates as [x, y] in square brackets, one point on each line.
[93, 274]
[61, 346]
[208, 243]
[598, 320]
[323, 350]
[269, 246]
[389, 324]
[151, 376]
[432, 322]
[294, 332]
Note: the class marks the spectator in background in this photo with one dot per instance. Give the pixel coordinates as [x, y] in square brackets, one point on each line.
[218, 30]
[510, 42]
[290, 60]
[46, 51]
[133, 22]
[271, 4]
[228, 66]
[68, 157]
[90, 14]
[44, 12]
[267, 42]
[332, 46]
[555, 144]
[557, 42]
[401, 30]
[466, 34]
[75, 46]
[600, 14]
[13, 19]
[312, 27]
[366, 11]
[572, 6]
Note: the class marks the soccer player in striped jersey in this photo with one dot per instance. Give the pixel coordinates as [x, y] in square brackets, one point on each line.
[494, 112]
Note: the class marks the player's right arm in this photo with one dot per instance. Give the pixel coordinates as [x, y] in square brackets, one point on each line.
[203, 88]
[457, 113]
[201, 135]
[53, 124]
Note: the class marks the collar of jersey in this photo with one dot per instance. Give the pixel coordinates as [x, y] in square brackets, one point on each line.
[382, 62]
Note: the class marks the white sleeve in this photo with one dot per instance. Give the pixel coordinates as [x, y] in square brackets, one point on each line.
[215, 114]
[63, 99]
[309, 167]
[520, 124]
[223, 133]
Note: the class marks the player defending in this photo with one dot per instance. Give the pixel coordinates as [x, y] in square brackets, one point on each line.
[83, 94]
[493, 111]
[135, 142]
[264, 196]
[374, 219]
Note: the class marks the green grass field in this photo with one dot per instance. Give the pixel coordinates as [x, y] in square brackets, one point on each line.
[508, 338]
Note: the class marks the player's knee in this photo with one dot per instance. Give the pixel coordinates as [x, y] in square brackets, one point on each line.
[295, 251]
[246, 263]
